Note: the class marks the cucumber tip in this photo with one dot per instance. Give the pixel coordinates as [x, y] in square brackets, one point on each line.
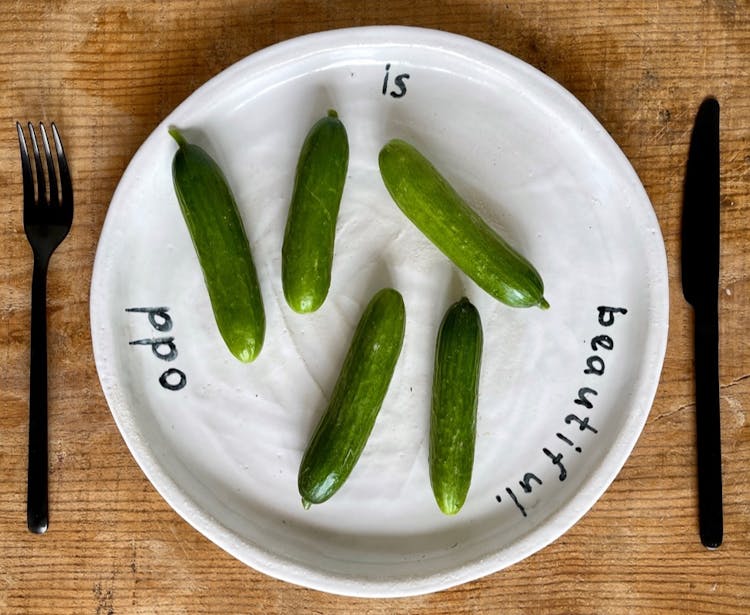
[543, 304]
[177, 136]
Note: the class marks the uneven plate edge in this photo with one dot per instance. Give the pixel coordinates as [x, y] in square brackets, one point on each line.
[270, 563]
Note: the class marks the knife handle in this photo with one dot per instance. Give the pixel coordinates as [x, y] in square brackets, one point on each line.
[708, 426]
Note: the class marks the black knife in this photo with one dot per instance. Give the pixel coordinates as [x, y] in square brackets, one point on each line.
[700, 286]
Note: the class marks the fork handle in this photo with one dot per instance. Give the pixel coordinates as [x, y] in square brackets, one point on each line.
[37, 508]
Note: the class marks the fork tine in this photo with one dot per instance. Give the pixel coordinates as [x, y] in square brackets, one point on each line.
[40, 183]
[28, 179]
[62, 162]
[52, 177]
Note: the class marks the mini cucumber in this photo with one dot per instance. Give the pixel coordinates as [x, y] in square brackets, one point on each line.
[210, 212]
[453, 416]
[345, 427]
[436, 209]
[307, 250]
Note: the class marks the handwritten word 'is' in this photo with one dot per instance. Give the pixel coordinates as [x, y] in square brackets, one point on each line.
[399, 82]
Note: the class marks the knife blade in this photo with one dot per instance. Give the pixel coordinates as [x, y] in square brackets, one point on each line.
[700, 287]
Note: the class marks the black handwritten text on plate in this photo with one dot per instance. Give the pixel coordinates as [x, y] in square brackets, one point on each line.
[163, 348]
[555, 453]
[399, 81]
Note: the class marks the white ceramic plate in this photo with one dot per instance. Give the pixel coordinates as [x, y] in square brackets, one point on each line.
[224, 449]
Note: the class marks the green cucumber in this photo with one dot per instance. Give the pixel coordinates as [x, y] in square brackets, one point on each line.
[213, 220]
[307, 250]
[453, 416]
[345, 427]
[436, 209]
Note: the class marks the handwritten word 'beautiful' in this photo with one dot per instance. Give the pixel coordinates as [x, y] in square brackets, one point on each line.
[595, 366]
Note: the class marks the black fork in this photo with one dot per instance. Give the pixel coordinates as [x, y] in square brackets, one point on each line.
[47, 217]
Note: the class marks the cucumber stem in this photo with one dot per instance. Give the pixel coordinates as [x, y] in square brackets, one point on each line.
[177, 136]
[332, 113]
[306, 504]
[543, 304]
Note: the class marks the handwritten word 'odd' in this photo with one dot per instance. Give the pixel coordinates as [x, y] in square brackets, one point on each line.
[595, 366]
[163, 348]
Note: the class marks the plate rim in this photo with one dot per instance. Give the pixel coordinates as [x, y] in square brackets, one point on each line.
[564, 517]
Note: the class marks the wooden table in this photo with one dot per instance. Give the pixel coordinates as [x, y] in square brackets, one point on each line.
[108, 72]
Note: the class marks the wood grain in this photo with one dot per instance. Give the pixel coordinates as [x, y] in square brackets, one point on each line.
[108, 72]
